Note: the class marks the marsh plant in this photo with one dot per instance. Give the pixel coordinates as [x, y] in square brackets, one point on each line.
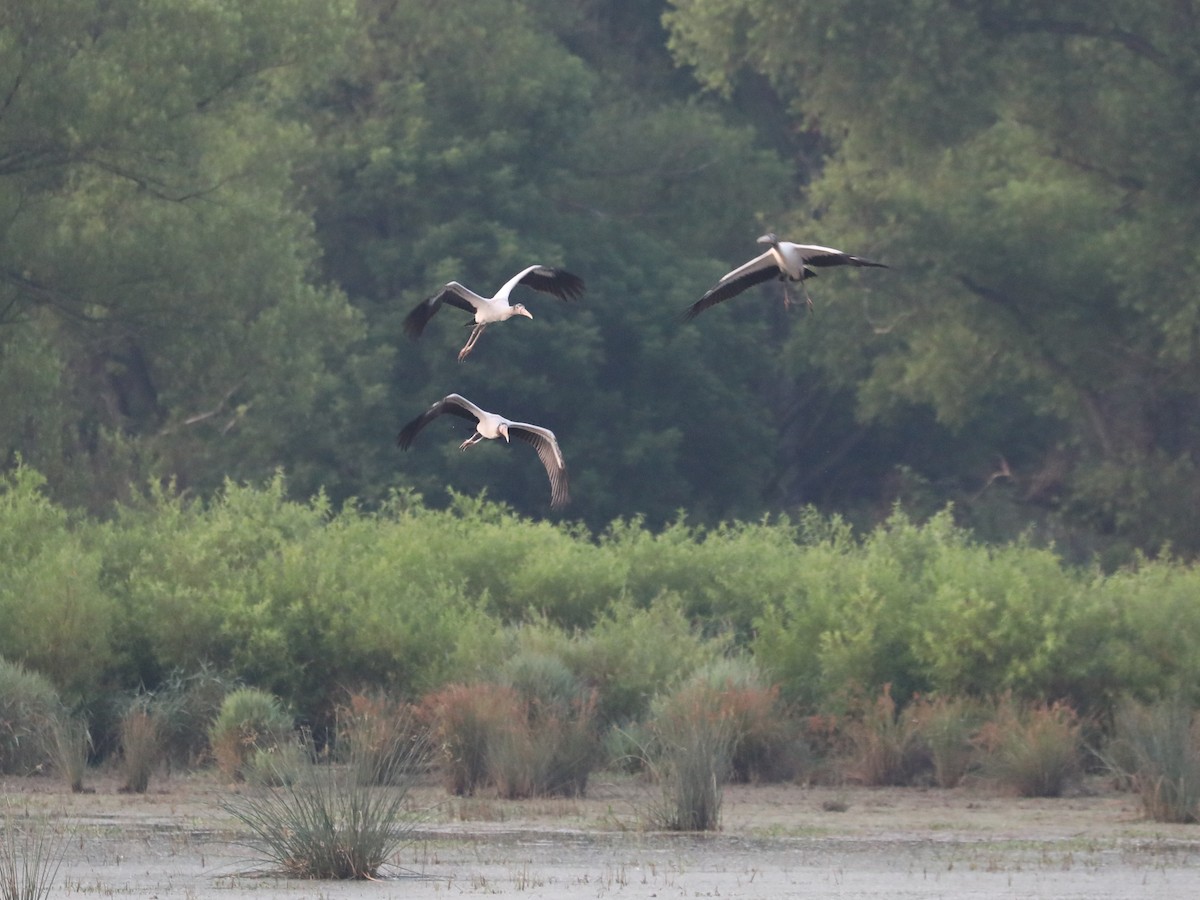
[379, 728]
[466, 722]
[552, 743]
[31, 854]
[947, 726]
[333, 819]
[141, 746]
[70, 744]
[1156, 749]
[1032, 749]
[185, 705]
[693, 742]
[28, 704]
[885, 746]
[767, 745]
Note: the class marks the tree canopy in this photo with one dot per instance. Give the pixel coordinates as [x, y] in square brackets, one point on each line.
[214, 218]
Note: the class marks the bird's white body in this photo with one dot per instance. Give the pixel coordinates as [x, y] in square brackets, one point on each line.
[489, 426]
[497, 308]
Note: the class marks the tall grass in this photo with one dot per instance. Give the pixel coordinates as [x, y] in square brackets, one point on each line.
[1157, 748]
[885, 744]
[70, 743]
[28, 704]
[30, 858]
[333, 820]
[141, 747]
[466, 721]
[947, 726]
[1033, 749]
[694, 737]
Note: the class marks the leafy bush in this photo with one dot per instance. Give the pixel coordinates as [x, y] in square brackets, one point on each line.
[250, 720]
[1157, 748]
[28, 704]
[57, 618]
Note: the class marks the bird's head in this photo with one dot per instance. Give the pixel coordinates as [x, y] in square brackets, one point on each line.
[768, 238]
[520, 310]
[502, 429]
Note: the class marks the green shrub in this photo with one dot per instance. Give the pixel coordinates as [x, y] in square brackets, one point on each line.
[1156, 747]
[249, 721]
[28, 704]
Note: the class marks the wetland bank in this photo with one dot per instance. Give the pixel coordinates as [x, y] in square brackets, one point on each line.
[775, 841]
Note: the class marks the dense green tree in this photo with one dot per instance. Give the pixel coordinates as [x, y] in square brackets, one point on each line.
[157, 309]
[1029, 168]
[432, 170]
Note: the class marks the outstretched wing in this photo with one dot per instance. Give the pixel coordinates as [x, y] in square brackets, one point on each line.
[453, 404]
[815, 255]
[559, 282]
[761, 268]
[546, 445]
[453, 293]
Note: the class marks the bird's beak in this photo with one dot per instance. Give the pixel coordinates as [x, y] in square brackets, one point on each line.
[503, 429]
[526, 313]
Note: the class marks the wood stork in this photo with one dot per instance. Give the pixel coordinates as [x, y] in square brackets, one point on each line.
[548, 280]
[492, 425]
[785, 261]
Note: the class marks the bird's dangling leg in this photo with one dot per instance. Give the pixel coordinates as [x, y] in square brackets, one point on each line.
[473, 439]
[475, 333]
[807, 299]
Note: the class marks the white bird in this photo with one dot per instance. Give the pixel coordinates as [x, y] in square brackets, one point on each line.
[492, 425]
[548, 280]
[785, 261]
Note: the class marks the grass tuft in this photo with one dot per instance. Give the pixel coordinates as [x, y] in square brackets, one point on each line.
[334, 819]
[1032, 749]
[1157, 749]
[30, 858]
[694, 736]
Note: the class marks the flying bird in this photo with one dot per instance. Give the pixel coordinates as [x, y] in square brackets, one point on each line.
[492, 425]
[548, 280]
[785, 261]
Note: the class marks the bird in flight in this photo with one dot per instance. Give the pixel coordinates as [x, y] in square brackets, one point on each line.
[548, 280]
[491, 426]
[785, 262]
